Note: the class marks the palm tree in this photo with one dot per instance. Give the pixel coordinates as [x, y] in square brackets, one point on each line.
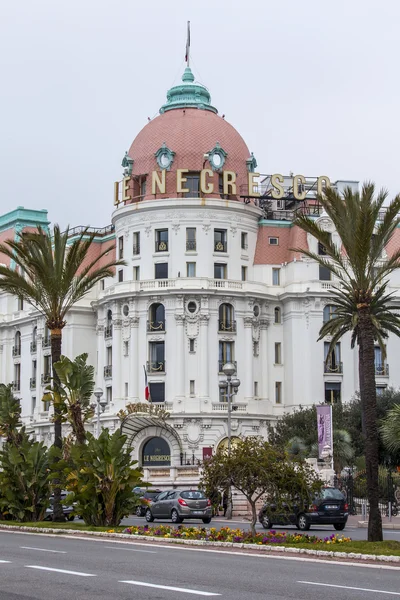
[343, 452]
[53, 272]
[363, 305]
[390, 429]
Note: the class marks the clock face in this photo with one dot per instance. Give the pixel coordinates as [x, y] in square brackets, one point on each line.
[164, 160]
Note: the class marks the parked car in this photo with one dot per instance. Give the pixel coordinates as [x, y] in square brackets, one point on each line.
[178, 505]
[67, 510]
[145, 497]
[328, 508]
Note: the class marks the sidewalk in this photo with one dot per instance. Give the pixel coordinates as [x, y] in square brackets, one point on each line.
[357, 521]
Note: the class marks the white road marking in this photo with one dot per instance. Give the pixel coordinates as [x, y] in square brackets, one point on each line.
[60, 571]
[5, 561]
[348, 587]
[171, 589]
[43, 550]
[130, 550]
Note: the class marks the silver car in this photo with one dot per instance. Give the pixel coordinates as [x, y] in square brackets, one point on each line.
[180, 504]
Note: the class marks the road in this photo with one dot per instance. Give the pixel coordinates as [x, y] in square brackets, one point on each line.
[41, 567]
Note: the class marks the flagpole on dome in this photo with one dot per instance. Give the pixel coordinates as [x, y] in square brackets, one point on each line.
[187, 55]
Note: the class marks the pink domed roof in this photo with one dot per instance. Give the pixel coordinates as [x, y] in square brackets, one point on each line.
[189, 133]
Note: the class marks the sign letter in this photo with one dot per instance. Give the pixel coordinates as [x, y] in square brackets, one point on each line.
[276, 181]
[229, 180]
[157, 181]
[206, 188]
[180, 181]
[125, 189]
[322, 182]
[299, 187]
[116, 193]
[252, 183]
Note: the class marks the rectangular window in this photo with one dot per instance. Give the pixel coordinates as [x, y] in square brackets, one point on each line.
[256, 348]
[109, 394]
[161, 270]
[381, 367]
[276, 277]
[20, 303]
[226, 353]
[332, 392]
[273, 241]
[190, 269]
[321, 247]
[120, 275]
[278, 392]
[243, 240]
[190, 239]
[221, 186]
[223, 395]
[47, 365]
[156, 357]
[102, 285]
[126, 348]
[143, 188]
[256, 389]
[136, 243]
[157, 391]
[161, 240]
[192, 184]
[121, 247]
[17, 377]
[219, 271]
[244, 273]
[46, 406]
[220, 240]
[34, 369]
[136, 273]
[192, 387]
[324, 273]
[380, 389]
[126, 389]
[191, 345]
[332, 361]
[278, 353]
[33, 400]
[109, 355]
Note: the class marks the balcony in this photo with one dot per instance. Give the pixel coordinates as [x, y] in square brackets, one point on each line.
[162, 246]
[16, 386]
[32, 383]
[45, 378]
[108, 371]
[156, 326]
[221, 363]
[227, 326]
[108, 332]
[382, 370]
[333, 368]
[220, 247]
[223, 407]
[190, 245]
[16, 351]
[46, 342]
[136, 249]
[33, 347]
[155, 367]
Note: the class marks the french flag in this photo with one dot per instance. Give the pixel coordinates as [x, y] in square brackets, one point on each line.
[146, 386]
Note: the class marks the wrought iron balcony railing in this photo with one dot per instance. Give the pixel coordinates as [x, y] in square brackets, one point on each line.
[108, 332]
[221, 363]
[382, 369]
[227, 325]
[46, 342]
[156, 326]
[16, 386]
[333, 367]
[33, 347]
[45, 378]
[108, 371]
[220, 247]
[190, 244]
[162, 246]
[16, 351]
[156, 367]
[32, 383]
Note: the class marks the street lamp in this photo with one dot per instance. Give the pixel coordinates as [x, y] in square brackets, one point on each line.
[101, 404]
[232, 387]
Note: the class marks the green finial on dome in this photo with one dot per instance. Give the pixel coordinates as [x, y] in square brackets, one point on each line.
[188, 95]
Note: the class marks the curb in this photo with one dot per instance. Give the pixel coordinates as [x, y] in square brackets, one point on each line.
[277, 549]
[389, 526]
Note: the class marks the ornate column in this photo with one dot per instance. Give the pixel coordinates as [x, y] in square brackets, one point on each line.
[204, 386]
[247, 373]
[135, 370]
[180, 356]
[117, 358]
[263, 372]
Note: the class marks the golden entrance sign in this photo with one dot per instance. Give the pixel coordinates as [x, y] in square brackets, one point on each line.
[123, 190]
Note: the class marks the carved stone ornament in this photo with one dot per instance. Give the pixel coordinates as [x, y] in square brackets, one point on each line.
[206, 227]
[147, 228]
[326, 224]
[176, 227]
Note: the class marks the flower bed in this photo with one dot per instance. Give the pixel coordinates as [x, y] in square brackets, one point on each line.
[231, 535]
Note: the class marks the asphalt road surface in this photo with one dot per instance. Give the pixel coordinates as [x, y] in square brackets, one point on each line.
[41, 567]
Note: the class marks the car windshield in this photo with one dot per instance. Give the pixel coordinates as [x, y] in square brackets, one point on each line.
[196, 495]
[332, 493]
[151, 495]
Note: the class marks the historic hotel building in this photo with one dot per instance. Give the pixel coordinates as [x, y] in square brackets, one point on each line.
[210, 277]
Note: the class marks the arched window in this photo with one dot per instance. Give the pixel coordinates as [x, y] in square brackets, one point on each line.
[34, 335]
[108, 328]
[156, 320]
[17, 344]
[226, 318]
[109, 317]
[329, 312]
[156, 452]
[277, 315]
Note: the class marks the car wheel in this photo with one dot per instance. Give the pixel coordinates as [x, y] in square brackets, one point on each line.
[71, 517]
[206, 520]
[149, 516]
[339, 526]
[302, 523]
[139, 511]
[175, 517]
[266, 522]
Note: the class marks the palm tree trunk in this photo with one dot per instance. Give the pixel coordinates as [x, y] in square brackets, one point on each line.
[368, 403]
[55, 338]
[77, 423]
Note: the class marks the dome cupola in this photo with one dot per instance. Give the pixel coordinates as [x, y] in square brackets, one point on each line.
[188, 94]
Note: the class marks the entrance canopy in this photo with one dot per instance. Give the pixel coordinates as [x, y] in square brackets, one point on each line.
[134, 423]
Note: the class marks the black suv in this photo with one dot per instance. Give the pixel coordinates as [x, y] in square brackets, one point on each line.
[329, 507]
[145, 497]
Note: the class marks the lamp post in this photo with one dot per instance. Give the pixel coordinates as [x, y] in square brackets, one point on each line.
[101, 404]
[232, 386]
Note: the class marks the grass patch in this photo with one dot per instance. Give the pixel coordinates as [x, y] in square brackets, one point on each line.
[68, 525]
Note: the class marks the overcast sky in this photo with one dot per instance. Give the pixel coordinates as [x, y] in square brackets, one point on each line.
[312, 86]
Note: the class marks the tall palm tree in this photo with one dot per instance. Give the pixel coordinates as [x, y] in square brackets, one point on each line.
[52, 273]
[363, 305]
[390, 429]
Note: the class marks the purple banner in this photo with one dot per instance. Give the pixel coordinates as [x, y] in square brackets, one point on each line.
[324, 421]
